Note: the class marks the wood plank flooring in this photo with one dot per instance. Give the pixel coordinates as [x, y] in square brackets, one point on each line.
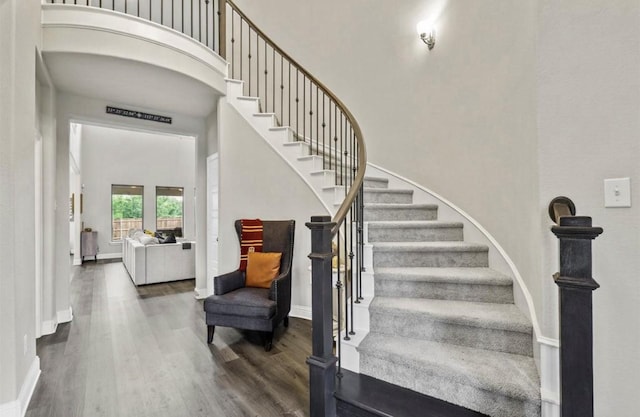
[142, 352]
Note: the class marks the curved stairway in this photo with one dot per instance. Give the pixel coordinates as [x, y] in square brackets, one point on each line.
[442, 323]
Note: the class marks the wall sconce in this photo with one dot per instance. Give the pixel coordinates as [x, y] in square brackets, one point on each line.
[427, 33]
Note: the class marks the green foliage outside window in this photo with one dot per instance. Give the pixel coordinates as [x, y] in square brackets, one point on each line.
[168, 206]
[126, 206]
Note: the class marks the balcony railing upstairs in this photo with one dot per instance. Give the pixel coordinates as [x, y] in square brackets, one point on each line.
[314, 115]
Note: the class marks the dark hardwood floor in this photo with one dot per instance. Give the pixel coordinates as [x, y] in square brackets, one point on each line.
[142, 352]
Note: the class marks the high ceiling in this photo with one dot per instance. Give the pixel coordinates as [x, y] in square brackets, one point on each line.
[129, 82]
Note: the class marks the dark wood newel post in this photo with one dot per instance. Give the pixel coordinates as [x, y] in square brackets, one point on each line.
[576, 286]
[322, 362]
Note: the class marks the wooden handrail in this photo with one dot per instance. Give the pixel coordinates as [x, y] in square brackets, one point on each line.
[358, 180]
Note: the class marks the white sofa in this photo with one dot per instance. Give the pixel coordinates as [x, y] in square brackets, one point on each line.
[153, 263]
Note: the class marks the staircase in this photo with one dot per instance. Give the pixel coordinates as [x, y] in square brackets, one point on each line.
[442, 323]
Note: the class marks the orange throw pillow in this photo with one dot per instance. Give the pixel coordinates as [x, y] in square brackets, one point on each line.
[262, 268]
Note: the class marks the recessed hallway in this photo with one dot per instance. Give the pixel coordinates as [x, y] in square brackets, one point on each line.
[142, 352]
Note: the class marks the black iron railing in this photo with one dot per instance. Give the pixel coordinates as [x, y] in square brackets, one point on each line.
[315, 116]
[198, 19]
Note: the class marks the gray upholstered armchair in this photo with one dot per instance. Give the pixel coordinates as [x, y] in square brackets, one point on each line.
[262, 309]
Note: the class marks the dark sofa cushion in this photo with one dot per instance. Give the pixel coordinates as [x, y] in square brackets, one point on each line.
[250, 302]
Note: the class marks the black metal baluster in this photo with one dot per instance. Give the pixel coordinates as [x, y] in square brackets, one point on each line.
[310, 116]
[362, 267]
[200, 20]
[289, 89]
[282, 88]
[241, 55]
[182, 17]
[191, 10]
[324, 125]
[304, 108]
[233, 42]
[297, 104]
[335, 142]
[339, 303]
[249, 63]
[273, 84]
[206, 20]
[318, 124]
[161, 11]
[266, 83]
[347, 313]
[258, 71]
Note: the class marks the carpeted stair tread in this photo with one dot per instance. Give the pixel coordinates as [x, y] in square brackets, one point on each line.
[429, 247]
[483, 315]
[410, 224]
[512, 375]
[475, 276]
[400, 206]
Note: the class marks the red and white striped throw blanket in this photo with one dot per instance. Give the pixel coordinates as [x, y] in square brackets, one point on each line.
[250, 240]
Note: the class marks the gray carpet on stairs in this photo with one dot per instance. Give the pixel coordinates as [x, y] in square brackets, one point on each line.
[442, 322]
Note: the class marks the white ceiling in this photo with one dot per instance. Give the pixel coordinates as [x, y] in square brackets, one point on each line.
[128, 82]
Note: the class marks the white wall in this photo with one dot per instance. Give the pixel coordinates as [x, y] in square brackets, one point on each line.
[588, 121]
[255, 182]
[19, 38]
[459, 119]
[125, 157]
[519, 102]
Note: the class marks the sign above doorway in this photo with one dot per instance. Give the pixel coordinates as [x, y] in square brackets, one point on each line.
[138, 115]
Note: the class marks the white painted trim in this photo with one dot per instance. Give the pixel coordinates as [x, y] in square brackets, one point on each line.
[255, 127]
[301, 312]
[29, 385]
[200, 293]
[82, 17]
[49, 327]
[116, 255]
[10, 409]
[64, 316]
[547, 347]
[18, 407]
[514, 270]
[549, 376]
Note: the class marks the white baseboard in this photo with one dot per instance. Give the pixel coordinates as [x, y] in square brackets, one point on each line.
[18, 407]
[549, 376]
[48, 327]
[10, 409]
[110, 255]
[200, 293]
[64, 316]
[301, 312]
[77, 262]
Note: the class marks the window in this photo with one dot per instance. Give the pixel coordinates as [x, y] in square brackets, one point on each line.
[169, 209]
[126, 209]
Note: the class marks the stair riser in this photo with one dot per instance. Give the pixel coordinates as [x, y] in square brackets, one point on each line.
[422, 326]
[501, 294]
[447, 389]
[444, 259]
[247, 107]
[384, 214]
[418, 234]
[370, 183]
[388, 197]
[264, 122]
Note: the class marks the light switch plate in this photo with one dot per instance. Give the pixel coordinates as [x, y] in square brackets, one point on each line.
[617, 192]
